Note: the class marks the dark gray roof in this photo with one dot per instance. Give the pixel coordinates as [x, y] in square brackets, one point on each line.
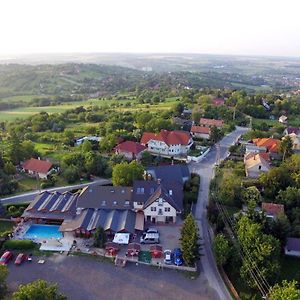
[149, 191]
[170, 172]
[52, 205]
[110, 220]
[105, 197]
[293, 244]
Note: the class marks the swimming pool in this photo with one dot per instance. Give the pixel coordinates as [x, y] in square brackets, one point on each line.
[36, 231]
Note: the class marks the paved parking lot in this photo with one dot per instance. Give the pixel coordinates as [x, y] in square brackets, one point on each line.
[85, 278]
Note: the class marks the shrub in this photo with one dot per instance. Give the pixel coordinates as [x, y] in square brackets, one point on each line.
[19, 245]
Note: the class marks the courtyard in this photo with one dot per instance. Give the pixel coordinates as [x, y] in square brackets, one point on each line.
[87, 278]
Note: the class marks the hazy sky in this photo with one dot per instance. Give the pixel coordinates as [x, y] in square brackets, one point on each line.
[265, 27]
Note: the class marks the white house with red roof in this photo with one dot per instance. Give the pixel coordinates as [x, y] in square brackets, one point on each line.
[200, 132]
[131, 150]
[294, 134]
[37, 167]
[167, 143]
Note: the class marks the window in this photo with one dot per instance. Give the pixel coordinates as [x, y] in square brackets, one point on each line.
[126, 202]
[103, 202]
[160, 212]
[259, 167]
[167, 209]
[115, 203]
[153, 208]
[140, 191]
[139, 203]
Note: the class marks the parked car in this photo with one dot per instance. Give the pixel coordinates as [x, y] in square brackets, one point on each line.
[149, 238]
[151, 230]
[20, 259]
[178, 260]
[168, 257]
[5, 258]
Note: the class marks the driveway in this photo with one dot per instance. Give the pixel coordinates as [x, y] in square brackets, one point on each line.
[85, 278]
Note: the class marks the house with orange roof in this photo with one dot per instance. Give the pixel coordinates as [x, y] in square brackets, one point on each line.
[37, 167]
[256, 164]
[211, 122]
[271, 144]
[200, 132]
[168, 143]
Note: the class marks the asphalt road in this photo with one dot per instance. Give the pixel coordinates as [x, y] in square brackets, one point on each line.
[206, 170]
[28, 197]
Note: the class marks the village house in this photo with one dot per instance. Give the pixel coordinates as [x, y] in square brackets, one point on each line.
[250, 147]
[37, 167]
[174, 173]
[200, 132]
[256, 163]
[270, 144]
[95, 139]
[211, 122]
[283, 119]
[218, 102]
[294, 134]
[167, 143]
[292, 247]
[130, 150]
[272, 210]
[160, 202]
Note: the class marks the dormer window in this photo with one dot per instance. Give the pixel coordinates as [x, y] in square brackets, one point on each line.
[115, 203]
[140, 191]
[126, 202]
[103, 202]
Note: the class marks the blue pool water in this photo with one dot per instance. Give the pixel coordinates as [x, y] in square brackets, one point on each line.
[36, 231]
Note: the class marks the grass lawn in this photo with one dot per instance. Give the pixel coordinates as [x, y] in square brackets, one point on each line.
[27, 184]
[6, 225]
[290, 268]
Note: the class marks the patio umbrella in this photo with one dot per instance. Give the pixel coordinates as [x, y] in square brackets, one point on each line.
[156, 251]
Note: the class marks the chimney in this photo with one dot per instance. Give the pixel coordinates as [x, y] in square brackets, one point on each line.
[158, 181]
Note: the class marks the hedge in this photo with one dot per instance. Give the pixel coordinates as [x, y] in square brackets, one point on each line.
[19, 245]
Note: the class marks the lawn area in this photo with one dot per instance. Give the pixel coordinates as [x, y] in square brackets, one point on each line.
[290, 268]
[27, 184]
[6, 225]
[258, 122]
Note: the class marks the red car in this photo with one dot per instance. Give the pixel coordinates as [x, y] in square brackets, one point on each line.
[5, 258]
[20, 259]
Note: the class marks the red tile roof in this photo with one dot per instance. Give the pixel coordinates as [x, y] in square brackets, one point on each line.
[269, 143]
[36, 165]
[200, 129]
[218, 102]
[169, 137]
[211, 122]
[272, 208]
[131, 147]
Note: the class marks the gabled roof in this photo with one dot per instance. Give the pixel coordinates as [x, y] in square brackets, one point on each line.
[149, 191]
[37, 165]
[270, 143]
[218, 101]
[175, 173]
[169, 137]
[295, 130]
[211, 122]
[293, 244]
[253, 159]
[105, 197]
[130, 146]
[272, 208]
[200, 129]
[254, 155]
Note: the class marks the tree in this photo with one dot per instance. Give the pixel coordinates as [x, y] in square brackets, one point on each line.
[230, 190]
[86, 146]
[38, 290]
[215, 134]
[71, 173]
[286, 147]
[189, 241]
[262, 251]
[108, 143]
[222, 249]
[69, 137]
[251, 193]
[285, 291]
[125, 173]
[3, 276]
[178, 108]
[100, 238]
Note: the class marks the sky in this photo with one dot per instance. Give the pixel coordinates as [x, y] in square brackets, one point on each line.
[245, 27]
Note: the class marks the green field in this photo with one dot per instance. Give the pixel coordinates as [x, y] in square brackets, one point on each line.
[119, 105]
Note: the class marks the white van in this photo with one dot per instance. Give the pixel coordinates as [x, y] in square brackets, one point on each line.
[149, 238]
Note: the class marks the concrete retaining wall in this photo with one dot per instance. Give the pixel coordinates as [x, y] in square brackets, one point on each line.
[197, 158]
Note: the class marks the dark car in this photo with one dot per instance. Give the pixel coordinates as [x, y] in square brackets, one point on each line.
[178, 260]
[5, 258]
[20, 259]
